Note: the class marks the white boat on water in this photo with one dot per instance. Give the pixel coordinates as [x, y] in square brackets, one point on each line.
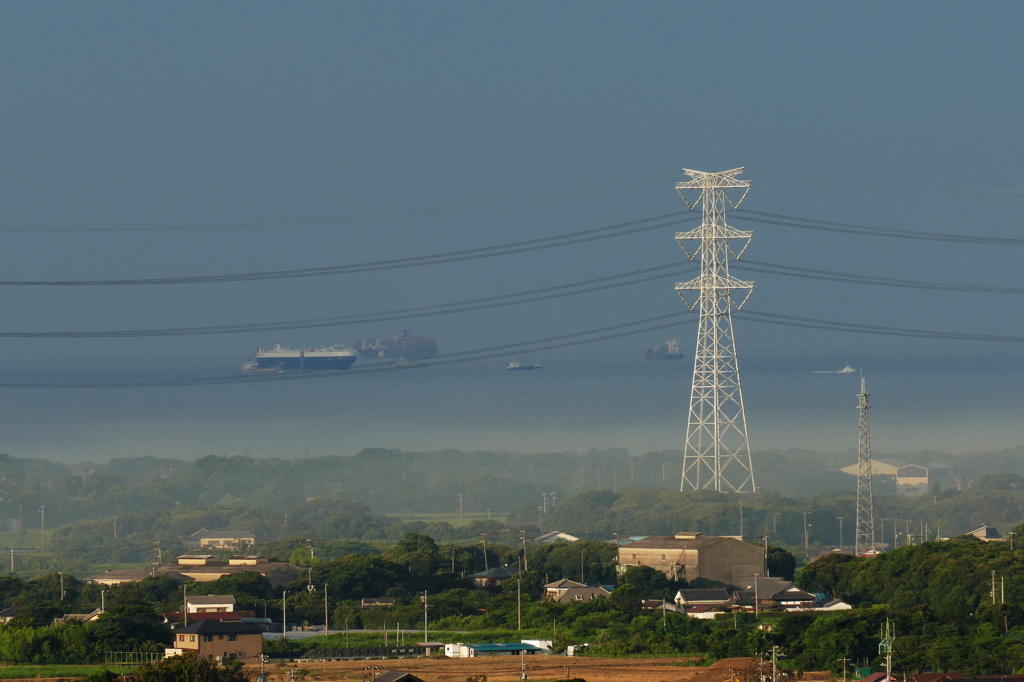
[515, 365]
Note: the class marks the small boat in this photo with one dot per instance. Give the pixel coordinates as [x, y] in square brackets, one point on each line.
[409, 364]
[517, 366]
[252, 367]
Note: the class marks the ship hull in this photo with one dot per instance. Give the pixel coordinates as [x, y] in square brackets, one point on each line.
[313, 359]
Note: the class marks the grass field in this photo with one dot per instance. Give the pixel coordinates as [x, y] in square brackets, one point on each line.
[25, 672]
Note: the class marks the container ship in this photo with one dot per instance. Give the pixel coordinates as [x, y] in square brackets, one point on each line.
[401, 345]
[667, 351]
[280, 359]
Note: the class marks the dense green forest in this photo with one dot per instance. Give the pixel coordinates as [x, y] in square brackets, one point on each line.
[122, 512]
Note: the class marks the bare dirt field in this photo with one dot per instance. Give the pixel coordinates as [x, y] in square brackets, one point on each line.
[507, 668]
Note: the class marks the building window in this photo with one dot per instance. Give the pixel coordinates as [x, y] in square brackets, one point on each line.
[191, 638]
[232, 638]
[207, 638]
[181, 638]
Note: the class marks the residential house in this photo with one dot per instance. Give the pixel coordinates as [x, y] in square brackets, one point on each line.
[585, 593]
[219, 641]
[694, 556]
[210, 603]
[987, 534]
[8, 614]
[771, 594]
[81, 617]
[494, 577]
[552, 591]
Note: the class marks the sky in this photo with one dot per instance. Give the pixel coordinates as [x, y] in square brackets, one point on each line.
[193, 138]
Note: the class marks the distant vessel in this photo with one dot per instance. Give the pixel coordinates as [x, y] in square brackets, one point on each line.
[517, 366]
[668, 351]
[279, 358]
[410, 364]
[845, 370]
[401, 345]
[252, 368]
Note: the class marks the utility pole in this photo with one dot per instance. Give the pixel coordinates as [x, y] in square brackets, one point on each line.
[526, 562]
[717, 451]
[327, 620]
[865, 535]
[61, 574]
[284, 615]
[459, 497]
[484, 541]
[807, 550]
[425, 640]
[840, 518]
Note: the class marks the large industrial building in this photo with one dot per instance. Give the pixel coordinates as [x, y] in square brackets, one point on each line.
[695, 556]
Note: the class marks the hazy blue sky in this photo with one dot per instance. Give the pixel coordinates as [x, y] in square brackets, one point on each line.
[521, 120]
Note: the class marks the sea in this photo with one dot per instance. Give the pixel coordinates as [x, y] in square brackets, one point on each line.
[582, 399]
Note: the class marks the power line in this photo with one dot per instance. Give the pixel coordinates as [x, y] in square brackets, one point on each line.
[809, 273]
[488, 302]
[579, 237]
[582, 192]
[829, 325]
[850, 228]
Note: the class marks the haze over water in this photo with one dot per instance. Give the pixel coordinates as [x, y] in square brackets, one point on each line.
[587, 397]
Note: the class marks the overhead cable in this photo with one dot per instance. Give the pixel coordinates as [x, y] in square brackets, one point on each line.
[593, 234]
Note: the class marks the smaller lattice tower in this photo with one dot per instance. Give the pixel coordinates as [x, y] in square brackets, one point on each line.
[865, 536]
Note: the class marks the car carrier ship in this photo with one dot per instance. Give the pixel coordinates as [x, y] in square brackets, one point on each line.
[281, 359]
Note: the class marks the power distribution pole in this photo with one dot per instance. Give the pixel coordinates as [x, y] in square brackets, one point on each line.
[717, 452]
[865, 536]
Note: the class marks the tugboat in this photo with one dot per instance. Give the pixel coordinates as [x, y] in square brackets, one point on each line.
[515, 365]
[668, 351]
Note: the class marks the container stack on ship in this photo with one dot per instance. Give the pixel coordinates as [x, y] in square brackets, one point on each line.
[400, 346]
[280, 359]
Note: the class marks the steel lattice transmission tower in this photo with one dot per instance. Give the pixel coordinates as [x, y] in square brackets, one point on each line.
[717, 452]
[865, 536]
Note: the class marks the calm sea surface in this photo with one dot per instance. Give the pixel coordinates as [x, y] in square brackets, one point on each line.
[581, 399]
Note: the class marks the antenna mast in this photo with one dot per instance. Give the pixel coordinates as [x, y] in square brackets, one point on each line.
[717, 452]
[865, 536]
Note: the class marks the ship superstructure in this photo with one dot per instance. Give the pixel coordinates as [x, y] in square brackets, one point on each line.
[400, 345]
